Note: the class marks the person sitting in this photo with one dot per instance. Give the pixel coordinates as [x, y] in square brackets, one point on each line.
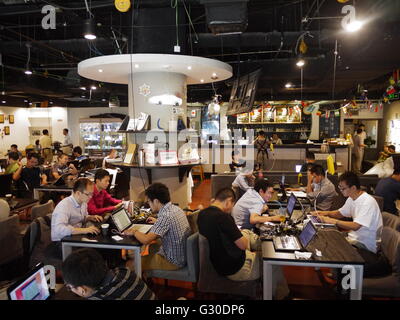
[30, 176]
[320, 190]
[249, 209]
[13, 164]
[77, 153]
[14, 148]
[364, 231]
[113, 155]
[70, 215]
[61, 167]
[86, 274]
[237, 162]
[234, 254]
[276, 140]
[101, 201]
[37, 148]
[171, 226]
[389, 189]
[244, 180]
[310, 160]
[386, 153]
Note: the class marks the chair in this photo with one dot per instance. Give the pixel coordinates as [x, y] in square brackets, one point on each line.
[5, 184]
[338, 202]
[198, 171]
[389, 285]
[42, 210]
[211, 281]
[188, 273]
[390, 220]
[192, 219]
[10, 239]
[379, 200]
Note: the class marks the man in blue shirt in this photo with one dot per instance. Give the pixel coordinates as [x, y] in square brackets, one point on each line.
[389, 189]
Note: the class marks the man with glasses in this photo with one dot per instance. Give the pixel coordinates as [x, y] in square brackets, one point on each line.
[171, 227]
[249, 208]
[364, 231]
[70, 215]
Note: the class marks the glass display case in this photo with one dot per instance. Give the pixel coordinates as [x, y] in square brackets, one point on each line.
[99, 136]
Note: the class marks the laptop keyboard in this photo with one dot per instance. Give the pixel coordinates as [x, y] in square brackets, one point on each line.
[315, 219]
[288, 242]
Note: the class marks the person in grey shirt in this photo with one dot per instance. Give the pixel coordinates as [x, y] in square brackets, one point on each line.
[249, 208]
[320, 190]
[70, 215]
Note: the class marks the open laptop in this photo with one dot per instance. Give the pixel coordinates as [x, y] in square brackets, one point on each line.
[293, 243]
[294, 215]
[122, 221]
[33, 286]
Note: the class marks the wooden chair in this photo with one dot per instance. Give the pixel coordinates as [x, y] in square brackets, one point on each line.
[198, 171]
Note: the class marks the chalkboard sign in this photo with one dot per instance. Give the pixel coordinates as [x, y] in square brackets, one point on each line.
[329, 127]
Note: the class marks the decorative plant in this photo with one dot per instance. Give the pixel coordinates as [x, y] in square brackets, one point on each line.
[369, 142]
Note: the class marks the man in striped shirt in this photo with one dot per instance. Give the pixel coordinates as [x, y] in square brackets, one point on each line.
[86, 274]
[171, 227]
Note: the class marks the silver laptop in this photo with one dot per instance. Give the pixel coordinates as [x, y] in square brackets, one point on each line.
[292, 243]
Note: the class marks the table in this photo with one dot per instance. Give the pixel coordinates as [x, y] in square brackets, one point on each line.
[51, 188]
[128, 243]
[348, 257]
[18, 204]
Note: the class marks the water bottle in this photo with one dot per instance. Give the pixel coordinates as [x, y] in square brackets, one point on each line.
[141, 157]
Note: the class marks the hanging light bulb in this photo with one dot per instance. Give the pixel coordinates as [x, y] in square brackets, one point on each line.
[28, 70]
[89, 29]
[300, 63]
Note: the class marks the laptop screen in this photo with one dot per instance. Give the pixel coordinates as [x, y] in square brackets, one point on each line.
[121, 219]
[291, 203]
[307, 234]
[33, 287]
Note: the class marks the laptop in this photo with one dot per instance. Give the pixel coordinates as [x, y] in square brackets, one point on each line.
[61, 181]
[294, 215]
[318, 223]
[33, 286]
[122, 221]
[292, 243]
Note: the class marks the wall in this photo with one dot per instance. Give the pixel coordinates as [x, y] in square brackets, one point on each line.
[390, 112]
[53, 118]
[74, 114]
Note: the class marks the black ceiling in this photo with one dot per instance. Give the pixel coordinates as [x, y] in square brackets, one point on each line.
[268, 42]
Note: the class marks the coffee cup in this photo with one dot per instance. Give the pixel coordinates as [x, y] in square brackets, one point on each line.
[9, 197]
[104, 229]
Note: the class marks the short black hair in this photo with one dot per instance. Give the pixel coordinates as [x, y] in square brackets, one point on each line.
[100, 174]
[359, 130]
[45, 131]
[224, 194]
[31, 155]
[61, 154]
[37, 142]
[261, 133]
[392, 147]
[361, 125]
[235, 152]
[158, 191]
[77, 149]
[84, 267]
[317, 169]
[14, 146]
[310, 155]
[261, 184]
[65, 129]
[351, 179]
[13, 155]
[81, 184]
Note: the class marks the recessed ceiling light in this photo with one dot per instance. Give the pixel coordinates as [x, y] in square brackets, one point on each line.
[83, 88]
[103, 100]
[28, 72]
[201, 80]
[189, 67]
[136, 66]
[30, 103]
[93, 87]
[100, 70]
[25, 100]
[288, 85]
[214, 76]
[3, 101]
[300, 63]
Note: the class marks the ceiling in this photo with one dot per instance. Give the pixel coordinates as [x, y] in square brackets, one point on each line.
[269, 40]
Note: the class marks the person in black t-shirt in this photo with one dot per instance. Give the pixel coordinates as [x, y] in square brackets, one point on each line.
[234, 254]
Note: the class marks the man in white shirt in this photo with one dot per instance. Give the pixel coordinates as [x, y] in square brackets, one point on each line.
[67, 144]
[249, 208]
[364, 231]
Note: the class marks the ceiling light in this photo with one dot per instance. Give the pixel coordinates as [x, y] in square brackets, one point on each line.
[3, 93]
[189, 67]
[288, 85]
[104, 100]
[3, 101]
[83, 88]
[100, 70]
[353, 26]
[89, 29]
[93, 87]
[300, 63]
[25, 100]
[201, 80]
[214, 76]
[136, 66]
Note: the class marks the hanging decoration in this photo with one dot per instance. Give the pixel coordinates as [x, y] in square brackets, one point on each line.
[122, 5]
[393, 90]
[144, 90]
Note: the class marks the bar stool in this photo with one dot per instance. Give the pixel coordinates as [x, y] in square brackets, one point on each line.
[198, 171]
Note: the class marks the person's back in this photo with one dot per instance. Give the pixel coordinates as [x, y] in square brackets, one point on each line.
[389, 189]
[249, 203]
[220, 230]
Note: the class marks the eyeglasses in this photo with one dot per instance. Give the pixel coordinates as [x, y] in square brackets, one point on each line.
[90, 194]
[342, 188]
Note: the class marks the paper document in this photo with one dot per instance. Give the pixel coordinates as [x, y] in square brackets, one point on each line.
[298, 194]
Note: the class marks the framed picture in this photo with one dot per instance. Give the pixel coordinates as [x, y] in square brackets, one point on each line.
[1, 118]
[7, 130]
[11, 118]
